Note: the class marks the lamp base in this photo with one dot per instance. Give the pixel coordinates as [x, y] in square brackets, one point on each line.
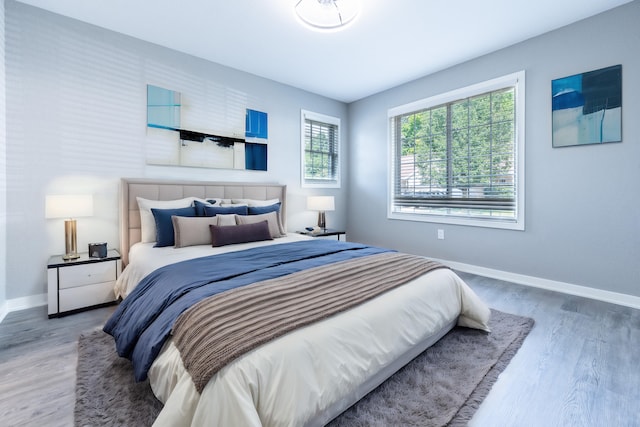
[70, 242]
[322, 220]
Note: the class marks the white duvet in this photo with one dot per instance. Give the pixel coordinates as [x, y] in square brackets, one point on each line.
[309, 376]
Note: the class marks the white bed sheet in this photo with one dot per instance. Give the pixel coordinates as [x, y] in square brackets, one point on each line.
[308, 376]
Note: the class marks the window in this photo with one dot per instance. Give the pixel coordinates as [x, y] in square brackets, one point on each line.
[459, 157]
[320, 150]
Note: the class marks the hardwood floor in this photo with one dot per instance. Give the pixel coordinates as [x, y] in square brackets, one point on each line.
[576, 368]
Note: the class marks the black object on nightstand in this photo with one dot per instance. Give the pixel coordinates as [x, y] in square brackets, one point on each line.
[97, 250]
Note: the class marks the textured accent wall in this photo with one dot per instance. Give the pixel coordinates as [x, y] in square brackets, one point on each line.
[76, 123]
[3, 169]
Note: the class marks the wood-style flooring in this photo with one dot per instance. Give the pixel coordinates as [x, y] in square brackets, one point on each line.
[577, 367]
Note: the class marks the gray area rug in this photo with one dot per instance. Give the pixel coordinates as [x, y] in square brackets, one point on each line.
[443, 386]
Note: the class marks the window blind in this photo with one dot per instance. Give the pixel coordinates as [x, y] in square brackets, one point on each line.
[321, 147]
[457, 158]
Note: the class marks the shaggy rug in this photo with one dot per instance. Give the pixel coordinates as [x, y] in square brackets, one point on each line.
[443, 386]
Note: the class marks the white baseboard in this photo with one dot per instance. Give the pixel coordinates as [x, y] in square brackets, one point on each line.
[552, 285]
[22, 303]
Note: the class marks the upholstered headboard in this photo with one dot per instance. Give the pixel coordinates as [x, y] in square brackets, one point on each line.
[157, 189]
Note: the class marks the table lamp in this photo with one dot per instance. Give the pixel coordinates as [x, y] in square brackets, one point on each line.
[69, 207]
[321, 204]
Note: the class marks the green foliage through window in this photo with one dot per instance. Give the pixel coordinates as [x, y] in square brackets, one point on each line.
[458, 158]
[320, 142]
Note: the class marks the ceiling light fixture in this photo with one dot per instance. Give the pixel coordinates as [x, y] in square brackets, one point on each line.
[327, 14]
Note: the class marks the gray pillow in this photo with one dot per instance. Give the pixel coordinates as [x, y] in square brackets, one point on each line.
[191, 231]
[271, 218]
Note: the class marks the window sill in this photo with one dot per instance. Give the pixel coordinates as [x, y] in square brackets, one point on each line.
[517, 225]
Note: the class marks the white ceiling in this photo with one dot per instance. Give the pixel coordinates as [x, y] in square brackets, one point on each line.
[390, 42]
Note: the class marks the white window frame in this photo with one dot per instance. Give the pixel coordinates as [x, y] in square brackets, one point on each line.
[517, 80]
[325, 119]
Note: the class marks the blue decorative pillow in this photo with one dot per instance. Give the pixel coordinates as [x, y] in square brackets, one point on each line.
[232, 234]
[164, 225]
[225, 210]
[259, 210]
[200, 206]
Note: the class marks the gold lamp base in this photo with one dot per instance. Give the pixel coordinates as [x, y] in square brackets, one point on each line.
[70, 242]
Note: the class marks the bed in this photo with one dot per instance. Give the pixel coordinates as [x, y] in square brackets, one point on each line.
[316, 365]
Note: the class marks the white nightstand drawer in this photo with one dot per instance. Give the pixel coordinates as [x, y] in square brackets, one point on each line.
[86, 296]
[81, 283]
[87, 274]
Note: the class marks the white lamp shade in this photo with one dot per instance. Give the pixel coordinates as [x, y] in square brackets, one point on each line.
[69, 206]
[321, 203]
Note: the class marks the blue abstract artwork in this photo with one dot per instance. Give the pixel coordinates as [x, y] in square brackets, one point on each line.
[256, 124]
[587, 108]
[204, 149]
[255, 156]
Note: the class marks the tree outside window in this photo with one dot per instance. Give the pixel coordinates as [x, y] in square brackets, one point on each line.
[320, 149]
[459, 158]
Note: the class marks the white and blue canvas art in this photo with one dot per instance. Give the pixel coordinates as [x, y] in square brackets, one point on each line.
[587, 108]
[183, 147]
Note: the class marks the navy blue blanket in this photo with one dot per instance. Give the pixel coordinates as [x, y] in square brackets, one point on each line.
[142, 322]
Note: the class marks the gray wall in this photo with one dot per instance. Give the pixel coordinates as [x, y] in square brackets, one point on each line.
[582, 210]
[76, 123]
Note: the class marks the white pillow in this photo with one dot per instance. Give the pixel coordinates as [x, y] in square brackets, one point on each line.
[272, 221]
[147, 222]
[254, 202]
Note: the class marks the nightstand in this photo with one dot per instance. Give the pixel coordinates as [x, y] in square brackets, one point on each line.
[327, 232]
[81, 283]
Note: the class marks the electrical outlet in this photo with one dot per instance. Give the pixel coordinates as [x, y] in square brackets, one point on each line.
[440, 234]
